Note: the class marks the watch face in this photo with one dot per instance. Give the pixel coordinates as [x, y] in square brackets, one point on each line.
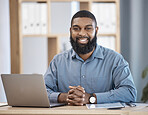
[92, 99]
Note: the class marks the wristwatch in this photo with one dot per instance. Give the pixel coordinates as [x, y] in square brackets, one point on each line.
[92, 99]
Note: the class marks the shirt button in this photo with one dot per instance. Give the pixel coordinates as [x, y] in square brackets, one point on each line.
[83, 76]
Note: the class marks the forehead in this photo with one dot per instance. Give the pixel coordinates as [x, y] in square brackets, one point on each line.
[83, 21]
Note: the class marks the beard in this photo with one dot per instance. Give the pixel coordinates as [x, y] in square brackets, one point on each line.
[83, 48]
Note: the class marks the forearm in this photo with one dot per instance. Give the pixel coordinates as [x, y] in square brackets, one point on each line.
[57, 97]
[53, 96]
[122, 94]
[62, 98]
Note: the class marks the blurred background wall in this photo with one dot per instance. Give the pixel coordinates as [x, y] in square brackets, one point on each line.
[4, 43]
[134, 38]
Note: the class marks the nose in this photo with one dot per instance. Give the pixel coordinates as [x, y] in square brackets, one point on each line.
[82, 32]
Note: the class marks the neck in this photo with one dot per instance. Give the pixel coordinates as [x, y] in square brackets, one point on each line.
[86, 56]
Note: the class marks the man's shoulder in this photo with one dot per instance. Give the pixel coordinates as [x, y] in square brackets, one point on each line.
[106, 50]
[109, 52]
[64, 54]
[112, 56]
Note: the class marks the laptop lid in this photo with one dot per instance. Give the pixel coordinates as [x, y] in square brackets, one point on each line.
[26, 90]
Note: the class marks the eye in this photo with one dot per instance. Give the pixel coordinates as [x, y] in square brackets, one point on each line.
[76, 28]
[88, 28]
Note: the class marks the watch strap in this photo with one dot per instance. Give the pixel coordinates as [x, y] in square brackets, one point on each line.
[91, 95]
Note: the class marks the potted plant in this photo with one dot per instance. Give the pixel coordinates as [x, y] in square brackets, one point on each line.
[145, 89]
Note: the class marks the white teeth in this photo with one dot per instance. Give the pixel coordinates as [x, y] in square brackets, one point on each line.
[83, 40]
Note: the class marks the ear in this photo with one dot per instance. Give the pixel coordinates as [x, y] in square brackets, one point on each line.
[97, 28]
[70, 29]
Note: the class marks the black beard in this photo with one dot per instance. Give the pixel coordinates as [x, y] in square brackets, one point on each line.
[83, 48]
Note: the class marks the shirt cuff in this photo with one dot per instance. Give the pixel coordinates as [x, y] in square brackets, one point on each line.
[102, 97]
[54, 97]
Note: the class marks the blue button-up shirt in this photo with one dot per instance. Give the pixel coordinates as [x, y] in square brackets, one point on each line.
[105, 73]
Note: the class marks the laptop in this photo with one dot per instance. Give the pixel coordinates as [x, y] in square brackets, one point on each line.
[26, 90]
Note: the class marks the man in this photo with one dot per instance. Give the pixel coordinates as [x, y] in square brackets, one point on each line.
[88, 73]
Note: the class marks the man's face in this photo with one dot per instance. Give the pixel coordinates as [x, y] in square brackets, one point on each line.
[83, 35]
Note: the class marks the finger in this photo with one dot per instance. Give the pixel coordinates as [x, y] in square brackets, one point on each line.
[70, 101]
[71, 91]
[78, 93]
[70, 104]
[73, 102]
[72, 87]
[77, 99]
[72, 96]
[78, 104]
[80, 89]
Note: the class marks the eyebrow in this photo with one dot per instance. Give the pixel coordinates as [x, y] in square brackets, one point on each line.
[79, 26]
[75, 26]
[89, 25]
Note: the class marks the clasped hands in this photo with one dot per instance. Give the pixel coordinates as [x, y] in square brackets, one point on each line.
[77, 96]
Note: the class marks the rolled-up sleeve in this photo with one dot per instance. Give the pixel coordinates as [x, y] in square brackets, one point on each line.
[50, 79]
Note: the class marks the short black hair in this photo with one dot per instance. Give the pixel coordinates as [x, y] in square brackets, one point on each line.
[84, 13]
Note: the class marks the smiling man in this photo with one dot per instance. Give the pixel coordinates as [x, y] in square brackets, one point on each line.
[88, 73]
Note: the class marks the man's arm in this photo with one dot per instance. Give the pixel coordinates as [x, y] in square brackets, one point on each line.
[51, 86]
[124, 90]
[50, 79]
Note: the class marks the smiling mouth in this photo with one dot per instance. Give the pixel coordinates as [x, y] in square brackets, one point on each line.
[83, 40]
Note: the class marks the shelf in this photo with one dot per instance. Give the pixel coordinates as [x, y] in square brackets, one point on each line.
[39, 35]
[106, 34]
[53, 40]
[104, 1]
[41, 1]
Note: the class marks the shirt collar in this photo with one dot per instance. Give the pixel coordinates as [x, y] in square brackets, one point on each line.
[98, 53]
[73, 55]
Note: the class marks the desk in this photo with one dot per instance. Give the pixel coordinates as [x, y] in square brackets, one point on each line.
[71, 110]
